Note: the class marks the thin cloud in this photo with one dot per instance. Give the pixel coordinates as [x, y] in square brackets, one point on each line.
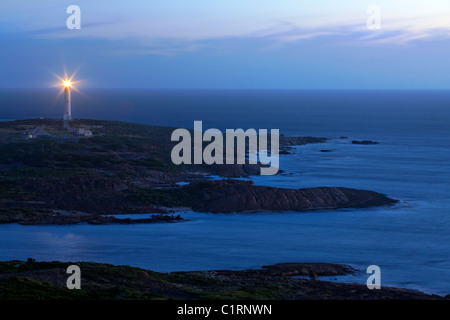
[391, 32]
[272, 33]
[62, 31]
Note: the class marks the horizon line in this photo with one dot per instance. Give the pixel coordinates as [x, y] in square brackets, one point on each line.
[235, 89]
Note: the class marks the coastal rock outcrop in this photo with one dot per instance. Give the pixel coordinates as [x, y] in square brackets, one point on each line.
[240, 196]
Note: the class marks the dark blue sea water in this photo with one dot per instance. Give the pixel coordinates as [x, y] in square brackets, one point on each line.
[410, 241]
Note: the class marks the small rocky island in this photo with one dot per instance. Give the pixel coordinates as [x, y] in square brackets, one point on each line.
[56, 176]
[365, 142]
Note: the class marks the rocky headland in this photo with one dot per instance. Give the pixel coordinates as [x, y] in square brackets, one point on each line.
[242, 196]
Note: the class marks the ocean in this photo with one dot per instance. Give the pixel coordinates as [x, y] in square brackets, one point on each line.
[409, 241]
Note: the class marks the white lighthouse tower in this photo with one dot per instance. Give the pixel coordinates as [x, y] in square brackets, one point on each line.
[67, 101]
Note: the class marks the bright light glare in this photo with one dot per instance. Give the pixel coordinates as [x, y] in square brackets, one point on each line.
[66, 82]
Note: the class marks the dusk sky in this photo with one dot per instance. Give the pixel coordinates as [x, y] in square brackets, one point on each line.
[258, 44]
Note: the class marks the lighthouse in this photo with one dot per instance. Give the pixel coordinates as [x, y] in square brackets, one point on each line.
[67, 101]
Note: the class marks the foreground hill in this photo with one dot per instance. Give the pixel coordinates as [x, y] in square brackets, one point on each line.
[32, 280]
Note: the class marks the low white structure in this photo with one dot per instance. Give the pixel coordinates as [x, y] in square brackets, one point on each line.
[84, 132]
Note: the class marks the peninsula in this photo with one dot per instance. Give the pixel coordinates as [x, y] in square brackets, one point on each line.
[52, 175]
